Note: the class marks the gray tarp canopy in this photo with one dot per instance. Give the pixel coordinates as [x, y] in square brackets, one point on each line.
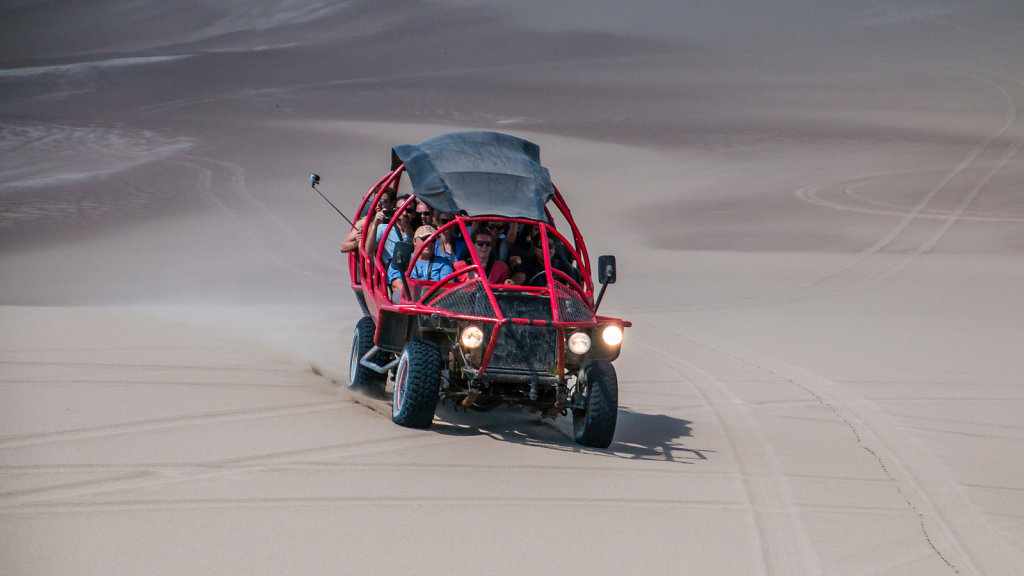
[483, 173]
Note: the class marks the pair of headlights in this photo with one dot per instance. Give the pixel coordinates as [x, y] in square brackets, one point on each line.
[578, 342]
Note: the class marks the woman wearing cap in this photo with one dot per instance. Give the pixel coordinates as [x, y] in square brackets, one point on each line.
[427, 267]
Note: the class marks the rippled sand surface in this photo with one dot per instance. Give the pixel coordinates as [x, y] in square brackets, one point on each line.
[817, 212]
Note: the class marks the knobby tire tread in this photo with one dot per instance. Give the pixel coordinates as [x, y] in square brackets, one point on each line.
[422, 386]
[596, 426]
[365, 378]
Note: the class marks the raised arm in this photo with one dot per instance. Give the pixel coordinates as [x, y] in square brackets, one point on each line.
[355, 235]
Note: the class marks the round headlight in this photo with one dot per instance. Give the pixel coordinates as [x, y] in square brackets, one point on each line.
[612, 335]
[472, 337]
[579, 342]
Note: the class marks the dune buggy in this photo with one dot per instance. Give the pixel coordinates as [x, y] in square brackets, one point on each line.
[532, 341]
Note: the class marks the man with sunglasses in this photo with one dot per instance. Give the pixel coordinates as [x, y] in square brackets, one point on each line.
[425, 213]
[401, 232]
[428, 266]
[497, 271]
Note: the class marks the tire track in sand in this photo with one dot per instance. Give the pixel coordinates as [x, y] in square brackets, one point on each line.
[170, 423]
[857, 273]
[122, 477]
[785, 544]
[922, 226]
[950, 523]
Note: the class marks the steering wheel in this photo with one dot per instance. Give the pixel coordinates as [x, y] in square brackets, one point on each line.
[538, 279]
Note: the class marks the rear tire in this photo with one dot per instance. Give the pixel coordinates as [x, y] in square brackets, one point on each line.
[594, 424]
[417, 385]
[360, 376]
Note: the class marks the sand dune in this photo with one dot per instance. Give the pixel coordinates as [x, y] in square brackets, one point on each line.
[816, 209]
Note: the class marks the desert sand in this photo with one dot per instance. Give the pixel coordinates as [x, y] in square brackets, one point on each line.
[817, 210]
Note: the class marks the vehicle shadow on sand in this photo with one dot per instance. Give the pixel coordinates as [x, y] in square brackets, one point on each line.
[643, 436]
[638, 435]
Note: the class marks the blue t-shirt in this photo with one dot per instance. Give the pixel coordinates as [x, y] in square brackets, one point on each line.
[433, 269]
[393, 238]
[459, 247]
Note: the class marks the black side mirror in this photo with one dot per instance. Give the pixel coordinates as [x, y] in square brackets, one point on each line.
[400, 260]
[606, 269]
[403, 253]
[605, 275]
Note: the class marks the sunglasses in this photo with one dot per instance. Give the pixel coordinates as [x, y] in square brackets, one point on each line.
[444, 220]
[494, 226]
[482, 244]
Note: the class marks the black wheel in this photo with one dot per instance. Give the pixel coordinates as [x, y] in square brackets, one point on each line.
[362, 342]
[417, 385]
[598, 388]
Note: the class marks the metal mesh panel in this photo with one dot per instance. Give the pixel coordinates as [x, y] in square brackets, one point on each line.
[571, 307]
[467, 299]
[529, 348]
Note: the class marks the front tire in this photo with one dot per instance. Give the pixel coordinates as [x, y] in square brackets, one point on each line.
[360, 376]
[417, 385]
[594, 424]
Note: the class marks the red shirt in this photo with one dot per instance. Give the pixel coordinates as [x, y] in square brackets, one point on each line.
[498, 274]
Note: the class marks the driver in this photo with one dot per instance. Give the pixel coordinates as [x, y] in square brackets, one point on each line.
[428, 266]
[528, 261]
[528, 264]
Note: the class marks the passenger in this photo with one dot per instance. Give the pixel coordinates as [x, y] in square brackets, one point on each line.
[451, 246]
[355, 235]
[497, 271]
[425, 214]
[401, 232]
[521, 241]
[501, 241]
[428, 265]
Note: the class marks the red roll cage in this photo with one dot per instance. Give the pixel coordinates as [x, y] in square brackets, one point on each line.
[369, 273]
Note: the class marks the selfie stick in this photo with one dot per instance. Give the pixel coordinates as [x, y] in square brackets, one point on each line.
[314, 179]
